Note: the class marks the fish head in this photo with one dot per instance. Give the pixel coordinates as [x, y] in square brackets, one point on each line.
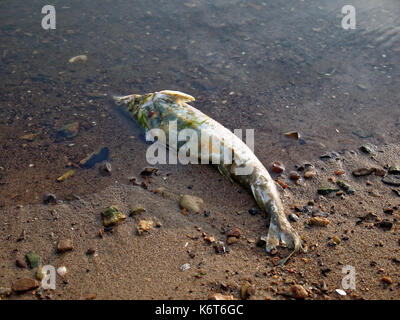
[148, 109]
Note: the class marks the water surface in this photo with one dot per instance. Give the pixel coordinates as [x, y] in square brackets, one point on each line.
[274, 66]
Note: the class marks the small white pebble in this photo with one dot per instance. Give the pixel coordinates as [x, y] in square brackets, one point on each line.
[341, 292]
[62, 271]
[186, 266]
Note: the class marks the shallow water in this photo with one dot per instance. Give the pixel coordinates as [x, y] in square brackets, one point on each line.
[274, 66]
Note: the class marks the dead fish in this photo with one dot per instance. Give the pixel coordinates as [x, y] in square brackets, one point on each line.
[156, 111]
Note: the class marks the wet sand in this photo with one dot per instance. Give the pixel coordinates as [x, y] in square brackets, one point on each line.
[148, 266]
[246, 70]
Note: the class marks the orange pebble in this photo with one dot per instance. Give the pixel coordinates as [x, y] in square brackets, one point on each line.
[339, 172]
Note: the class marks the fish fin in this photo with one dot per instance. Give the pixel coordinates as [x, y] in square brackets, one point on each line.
[225, 172]
[124, 99]
[178, 96]
[287, 236]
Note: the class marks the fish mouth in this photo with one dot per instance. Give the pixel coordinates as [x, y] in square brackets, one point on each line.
[125, 99]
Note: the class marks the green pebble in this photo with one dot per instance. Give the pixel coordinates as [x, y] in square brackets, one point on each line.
[33, 259]
[112, 216]
[345, 186]
[327, 190]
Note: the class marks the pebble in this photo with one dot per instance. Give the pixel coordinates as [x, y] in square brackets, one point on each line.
[209, 239]
[281, 183]
[40, 274]
[144, 226]
[234, 232]
[191, 203]
[392, 180]
[62, 271]
[90, 251]
[394, 170]
[327, 190]
[293, 175]
[49, 198]
[65, 245]
[112, 216]
[277, 167]
[385, 224]
[339, 172]
[106, 168]
[325, 156]
[387, 280]
[21, 263]
[309, 174]
[24, 284]
[29, 137]
[374, 193]
[220, 247]
[149, 171]
[318, 221]
[345, 187]
[388, 210]
[293, 217]
[246, 290]
[137, 210]
[253, 211]
[261, 242]
[33, 259]
[220, 296]
[5, 292]
[298, 292]
[366, 149]
[159, 190]
[231, 240]
[363, 172]
[380, 172]
[91, 296]
[319, 213]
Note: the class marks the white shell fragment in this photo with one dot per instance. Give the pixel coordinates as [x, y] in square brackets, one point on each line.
[78, 58]
[186, 266]
[341, 292]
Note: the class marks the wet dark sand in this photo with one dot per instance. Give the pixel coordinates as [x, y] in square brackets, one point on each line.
[247, 69]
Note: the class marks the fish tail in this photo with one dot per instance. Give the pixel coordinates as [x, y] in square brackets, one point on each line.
[280, 230]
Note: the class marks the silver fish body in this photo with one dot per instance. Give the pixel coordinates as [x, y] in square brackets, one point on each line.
[157, 111]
